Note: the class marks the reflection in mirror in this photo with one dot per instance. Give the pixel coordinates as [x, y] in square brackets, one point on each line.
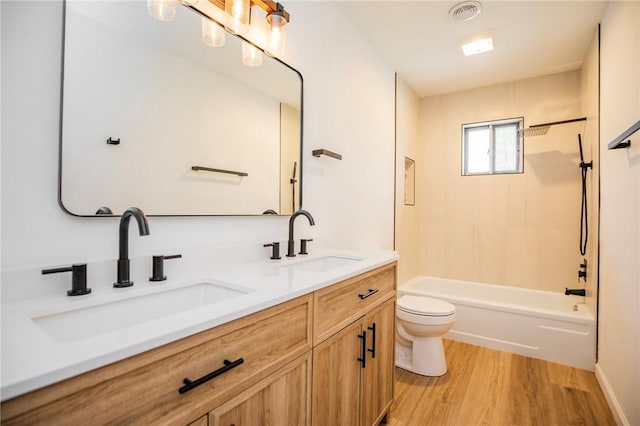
[154, 117]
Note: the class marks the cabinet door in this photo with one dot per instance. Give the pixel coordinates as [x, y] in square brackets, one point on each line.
[377, 386]
[282, 399]
[202, 421]
[336, 378]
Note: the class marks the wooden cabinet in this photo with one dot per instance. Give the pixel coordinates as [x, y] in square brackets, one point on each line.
[145, 389]
[336, 378]
[202, 421]
[378, 375]
[281, 399]
[341, 304]
[306, 361]
[353, 368]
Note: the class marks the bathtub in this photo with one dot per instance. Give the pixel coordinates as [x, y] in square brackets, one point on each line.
[534, 323]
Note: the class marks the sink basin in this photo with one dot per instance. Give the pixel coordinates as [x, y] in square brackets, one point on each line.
[323, 264]
[78, 324]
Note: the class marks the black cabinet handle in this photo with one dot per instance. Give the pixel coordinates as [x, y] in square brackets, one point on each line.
[228, 365]
[371, 291]
[363, 360]
[373, 340]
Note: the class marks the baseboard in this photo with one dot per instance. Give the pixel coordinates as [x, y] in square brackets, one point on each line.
[615, 407]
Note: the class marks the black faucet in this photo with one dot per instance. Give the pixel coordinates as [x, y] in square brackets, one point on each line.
[123, 259]
[575, 291]
[291, 251]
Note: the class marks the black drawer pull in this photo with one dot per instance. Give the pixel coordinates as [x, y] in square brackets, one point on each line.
[369, 293]
[373, 341]
[228, 365]
[363, 360]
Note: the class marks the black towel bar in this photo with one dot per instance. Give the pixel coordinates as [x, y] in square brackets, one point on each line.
[620, 141]
[209, 169]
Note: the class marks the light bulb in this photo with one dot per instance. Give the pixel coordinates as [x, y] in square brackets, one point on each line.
[162, 10]
[212, 33]
[277, 34]
[251, 55]
[237, 19]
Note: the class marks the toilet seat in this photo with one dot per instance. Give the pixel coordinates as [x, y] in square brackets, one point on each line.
[425, 306]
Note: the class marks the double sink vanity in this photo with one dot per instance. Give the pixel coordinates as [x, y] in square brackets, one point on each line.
[303, 341]
[297, 341]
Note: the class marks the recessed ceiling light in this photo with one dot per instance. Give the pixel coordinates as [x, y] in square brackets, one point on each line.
[478, 46]
[465, 10]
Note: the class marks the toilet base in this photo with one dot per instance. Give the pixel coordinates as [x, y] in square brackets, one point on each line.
[431, 361]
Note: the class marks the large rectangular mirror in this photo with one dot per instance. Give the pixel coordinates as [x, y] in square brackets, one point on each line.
[152, 117]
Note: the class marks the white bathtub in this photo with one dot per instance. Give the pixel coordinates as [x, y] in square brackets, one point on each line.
[534, 323]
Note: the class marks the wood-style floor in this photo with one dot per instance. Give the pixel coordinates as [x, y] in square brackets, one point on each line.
[488, 387]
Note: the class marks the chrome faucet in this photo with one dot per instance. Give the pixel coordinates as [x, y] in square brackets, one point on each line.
[123, 259]
[291, 251]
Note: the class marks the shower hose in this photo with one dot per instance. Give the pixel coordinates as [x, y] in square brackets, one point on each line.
[584, 229]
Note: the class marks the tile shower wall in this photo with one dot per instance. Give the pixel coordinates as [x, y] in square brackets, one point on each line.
[519, 230]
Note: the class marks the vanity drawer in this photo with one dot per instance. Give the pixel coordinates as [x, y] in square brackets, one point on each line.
[339, 305]
[145, 389]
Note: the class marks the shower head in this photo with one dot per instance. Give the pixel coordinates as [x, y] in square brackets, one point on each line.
[540, 130]
[543, 128]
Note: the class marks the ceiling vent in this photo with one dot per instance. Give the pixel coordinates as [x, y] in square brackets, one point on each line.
[465, 10]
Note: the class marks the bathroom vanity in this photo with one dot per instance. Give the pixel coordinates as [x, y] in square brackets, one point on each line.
[321, 353]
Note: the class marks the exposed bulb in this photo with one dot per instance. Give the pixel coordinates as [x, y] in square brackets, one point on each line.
[277, 35]
[237, 19]
[212, 34]
[162, 10]
[251, 55]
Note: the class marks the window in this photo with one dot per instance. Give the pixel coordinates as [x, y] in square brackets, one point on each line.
[494, 147]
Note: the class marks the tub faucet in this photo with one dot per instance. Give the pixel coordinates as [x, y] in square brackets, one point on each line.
[123, 259]
[291, 251]
[575, 291]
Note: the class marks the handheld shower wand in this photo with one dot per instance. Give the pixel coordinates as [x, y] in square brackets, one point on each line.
[584, 228]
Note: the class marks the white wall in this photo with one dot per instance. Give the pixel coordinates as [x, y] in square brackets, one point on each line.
[618, 365]
[407, 216]
[348, 107]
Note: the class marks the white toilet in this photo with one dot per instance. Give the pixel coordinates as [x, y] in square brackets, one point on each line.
[421, 322]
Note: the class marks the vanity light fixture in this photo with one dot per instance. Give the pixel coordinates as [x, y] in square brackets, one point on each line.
[277, 32]
[162, 10]
[238, 13]
[236, 20]
[212, 34]
[251, 55]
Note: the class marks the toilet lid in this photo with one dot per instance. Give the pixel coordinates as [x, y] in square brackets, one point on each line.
[420, 305]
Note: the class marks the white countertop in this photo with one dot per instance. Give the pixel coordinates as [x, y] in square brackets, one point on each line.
[32, 358]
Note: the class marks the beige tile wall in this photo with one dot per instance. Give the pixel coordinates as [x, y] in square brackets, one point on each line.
[519, 230]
